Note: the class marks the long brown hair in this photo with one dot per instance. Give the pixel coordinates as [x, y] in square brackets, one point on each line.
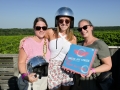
[39, 19]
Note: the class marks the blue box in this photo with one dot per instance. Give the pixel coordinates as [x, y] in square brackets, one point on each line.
[79, 59]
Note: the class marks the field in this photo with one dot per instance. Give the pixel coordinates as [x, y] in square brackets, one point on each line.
[111, 38]
[10, 44]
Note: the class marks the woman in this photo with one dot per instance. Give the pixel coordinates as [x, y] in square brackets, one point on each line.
[32, 47]
[60, 40]
[102, 61]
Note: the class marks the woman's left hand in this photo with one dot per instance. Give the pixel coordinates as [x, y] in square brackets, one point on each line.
[89, 74]
[68, 70]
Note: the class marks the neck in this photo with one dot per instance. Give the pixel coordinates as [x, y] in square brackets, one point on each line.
[89, 40]
[38, 39]
[63, 32]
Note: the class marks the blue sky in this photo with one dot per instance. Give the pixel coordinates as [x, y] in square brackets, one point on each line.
[21, 13]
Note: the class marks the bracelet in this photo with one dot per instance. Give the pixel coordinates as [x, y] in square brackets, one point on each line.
[24, 75]
[93, 70]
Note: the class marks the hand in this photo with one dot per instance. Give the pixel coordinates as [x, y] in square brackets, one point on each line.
[21, 42]
[82, 75]
[89, 74]
[32, 78]
[68, 71]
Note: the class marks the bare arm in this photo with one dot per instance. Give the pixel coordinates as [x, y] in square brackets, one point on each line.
[22, 66]
[22, 61]
[49, 34]
[74, 41]
[106, 66]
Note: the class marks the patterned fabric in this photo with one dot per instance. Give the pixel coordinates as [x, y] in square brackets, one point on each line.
[57, 76]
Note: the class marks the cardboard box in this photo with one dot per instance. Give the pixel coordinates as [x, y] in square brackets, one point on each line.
[79, 59]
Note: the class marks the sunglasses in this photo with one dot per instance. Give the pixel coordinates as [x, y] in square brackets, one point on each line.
[66, 21]
[84, 27]
[37, 28]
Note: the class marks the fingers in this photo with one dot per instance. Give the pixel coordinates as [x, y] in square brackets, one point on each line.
[82, 75]
[89, 74]
[32, 77]
[67, 70]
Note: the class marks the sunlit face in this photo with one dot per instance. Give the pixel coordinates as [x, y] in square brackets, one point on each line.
[40, 29]
[64, 23]
[85, 29]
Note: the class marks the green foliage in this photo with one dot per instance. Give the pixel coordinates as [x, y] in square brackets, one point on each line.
[111, 38]
[10, 44]
[10, 38]
[16, 31]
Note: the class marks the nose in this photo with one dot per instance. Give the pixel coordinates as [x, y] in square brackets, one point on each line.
[64, 22]
[41, 29]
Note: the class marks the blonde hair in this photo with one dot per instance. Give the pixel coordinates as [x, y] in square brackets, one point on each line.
[69, 33]
[88, 21]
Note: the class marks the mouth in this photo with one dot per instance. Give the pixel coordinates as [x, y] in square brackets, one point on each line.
[41, 33]
[64, 26]
[83, 33]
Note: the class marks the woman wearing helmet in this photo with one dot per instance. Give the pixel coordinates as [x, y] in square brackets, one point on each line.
[60, 40]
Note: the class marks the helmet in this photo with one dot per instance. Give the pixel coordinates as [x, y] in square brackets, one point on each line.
[38, 65]
[64, 11]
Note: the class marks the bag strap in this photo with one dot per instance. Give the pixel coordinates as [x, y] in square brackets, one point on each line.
[57, 54]
[63, 37]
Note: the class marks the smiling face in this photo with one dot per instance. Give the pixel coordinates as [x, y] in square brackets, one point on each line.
[40, 29]
[85, 29]
[64, 23]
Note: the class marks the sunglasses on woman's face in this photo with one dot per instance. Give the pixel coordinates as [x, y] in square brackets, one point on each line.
[62, 20]
[37, 28]
[84, 28]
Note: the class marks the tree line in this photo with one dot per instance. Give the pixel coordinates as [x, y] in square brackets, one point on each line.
[30, 31]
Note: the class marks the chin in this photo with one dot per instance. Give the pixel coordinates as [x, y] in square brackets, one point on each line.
[84, 36]
[41, 37]
[64, 29]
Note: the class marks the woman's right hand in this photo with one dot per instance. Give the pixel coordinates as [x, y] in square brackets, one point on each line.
[22, 41]
[32, 78]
